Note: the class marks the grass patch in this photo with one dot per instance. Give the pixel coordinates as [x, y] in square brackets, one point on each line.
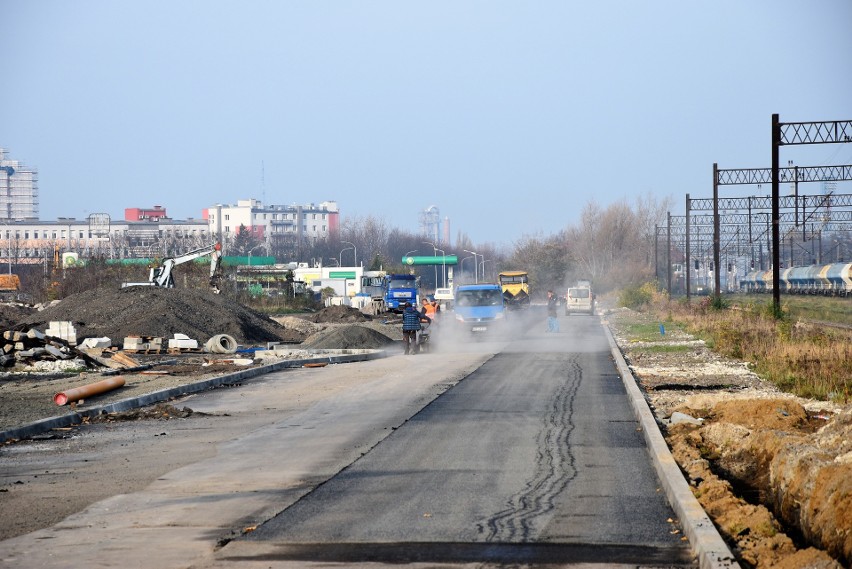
[803, 358]
[820, 308]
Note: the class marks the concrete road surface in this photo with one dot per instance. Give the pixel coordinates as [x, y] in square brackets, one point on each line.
[519, 449]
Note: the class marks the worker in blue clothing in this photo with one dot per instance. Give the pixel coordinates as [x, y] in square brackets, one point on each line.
[552, 320]
[411, 318]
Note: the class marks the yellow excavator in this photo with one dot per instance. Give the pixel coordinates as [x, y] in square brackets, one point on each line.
[516, 289]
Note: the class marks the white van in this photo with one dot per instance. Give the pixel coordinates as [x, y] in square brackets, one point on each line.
[579, 300]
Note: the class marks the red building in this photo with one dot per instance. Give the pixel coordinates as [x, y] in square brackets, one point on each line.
[144, 214]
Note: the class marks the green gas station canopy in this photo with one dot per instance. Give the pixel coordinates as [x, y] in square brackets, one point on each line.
[436, 260]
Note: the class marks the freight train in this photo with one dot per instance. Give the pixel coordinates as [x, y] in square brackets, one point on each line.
[829, 280]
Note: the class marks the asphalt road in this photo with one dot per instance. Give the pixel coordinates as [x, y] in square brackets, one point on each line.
[483, 452]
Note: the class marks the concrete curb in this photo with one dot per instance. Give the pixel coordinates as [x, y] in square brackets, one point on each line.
[44, 425]
[707, 544]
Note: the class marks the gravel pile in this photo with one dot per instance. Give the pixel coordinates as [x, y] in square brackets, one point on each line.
[152, 311]
[347, 336]
[11, 314]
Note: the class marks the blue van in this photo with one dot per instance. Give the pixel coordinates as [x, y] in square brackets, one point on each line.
[479, 308]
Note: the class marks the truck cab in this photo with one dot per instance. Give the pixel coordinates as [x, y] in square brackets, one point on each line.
[480, 308]
[400, 289]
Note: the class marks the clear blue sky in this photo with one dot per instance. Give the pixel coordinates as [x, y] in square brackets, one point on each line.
[508, 116]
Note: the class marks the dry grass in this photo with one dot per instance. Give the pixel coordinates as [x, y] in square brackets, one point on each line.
[805, 359]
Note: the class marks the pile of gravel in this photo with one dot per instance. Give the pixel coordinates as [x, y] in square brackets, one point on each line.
[153, 311]
[12, 314]
[347, 336]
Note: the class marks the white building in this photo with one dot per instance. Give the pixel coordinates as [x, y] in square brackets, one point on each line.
[18, 189]
[311, 221]
[36, 241]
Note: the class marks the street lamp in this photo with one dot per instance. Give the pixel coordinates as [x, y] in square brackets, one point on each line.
[340, 260]
[443, 268]
[355, 262]
[461, 263]
[409, 253]
[475, 266]
[434, 253]
[252, 249]
[484, 260]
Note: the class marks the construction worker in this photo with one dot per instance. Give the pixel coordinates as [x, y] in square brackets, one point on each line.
[429, 308]
[411, 318]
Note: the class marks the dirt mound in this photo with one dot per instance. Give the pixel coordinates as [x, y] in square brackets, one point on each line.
[769, 448]
[12, 314]
[152, 311]
[347, 337]
[339, 314]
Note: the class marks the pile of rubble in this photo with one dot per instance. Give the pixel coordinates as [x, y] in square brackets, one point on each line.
[25, 347]
[162, 312]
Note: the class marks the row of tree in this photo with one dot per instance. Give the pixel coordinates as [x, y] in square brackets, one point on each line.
[612, 246]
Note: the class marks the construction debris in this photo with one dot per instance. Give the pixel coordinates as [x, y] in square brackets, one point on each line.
[143, 344]
[26, 346]
[79, 393]
[63, 330]
[181, 343]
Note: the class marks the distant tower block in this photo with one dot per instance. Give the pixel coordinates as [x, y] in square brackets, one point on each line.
[430, 223]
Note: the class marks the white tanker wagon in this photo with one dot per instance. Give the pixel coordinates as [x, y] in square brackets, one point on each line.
[834, 279]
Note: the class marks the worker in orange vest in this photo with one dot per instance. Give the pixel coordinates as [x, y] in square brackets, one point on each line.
[429, 308]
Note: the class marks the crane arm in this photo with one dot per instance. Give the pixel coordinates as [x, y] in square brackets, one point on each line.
[162, 275]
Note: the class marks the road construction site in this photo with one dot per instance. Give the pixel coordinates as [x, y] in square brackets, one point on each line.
[706, 406]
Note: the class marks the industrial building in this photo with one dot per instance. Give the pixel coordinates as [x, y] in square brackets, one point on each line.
[18, 189]
[35, 241]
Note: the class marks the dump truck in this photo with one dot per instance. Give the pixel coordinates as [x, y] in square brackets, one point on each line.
[516, 289]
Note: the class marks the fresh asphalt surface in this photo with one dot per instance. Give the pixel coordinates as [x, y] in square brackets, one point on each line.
[520, 450]
[536, 457]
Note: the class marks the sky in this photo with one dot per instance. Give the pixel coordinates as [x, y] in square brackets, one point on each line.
[507, 116]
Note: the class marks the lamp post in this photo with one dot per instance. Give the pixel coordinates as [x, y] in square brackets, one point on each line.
[434, 253]
[443, 268]
[340, 260]
[249, 261]
[484, 260]
[252, 249]
[355, 262]
[409, 253]
[461, 263]
[475, 266]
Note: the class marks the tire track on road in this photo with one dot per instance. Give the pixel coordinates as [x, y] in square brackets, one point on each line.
[553, 470]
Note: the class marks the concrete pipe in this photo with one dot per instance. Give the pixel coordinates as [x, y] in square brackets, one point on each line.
[64, 397]
[221, 344]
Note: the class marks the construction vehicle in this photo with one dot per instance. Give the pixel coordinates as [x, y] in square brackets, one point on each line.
[161, 275]
[399, 289]
[10, 286]
[373, 285]
[516, 289]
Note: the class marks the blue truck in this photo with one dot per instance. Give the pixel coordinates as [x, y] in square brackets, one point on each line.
[400, 289]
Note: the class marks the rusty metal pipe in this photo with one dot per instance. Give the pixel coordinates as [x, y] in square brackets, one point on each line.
[84, 391]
